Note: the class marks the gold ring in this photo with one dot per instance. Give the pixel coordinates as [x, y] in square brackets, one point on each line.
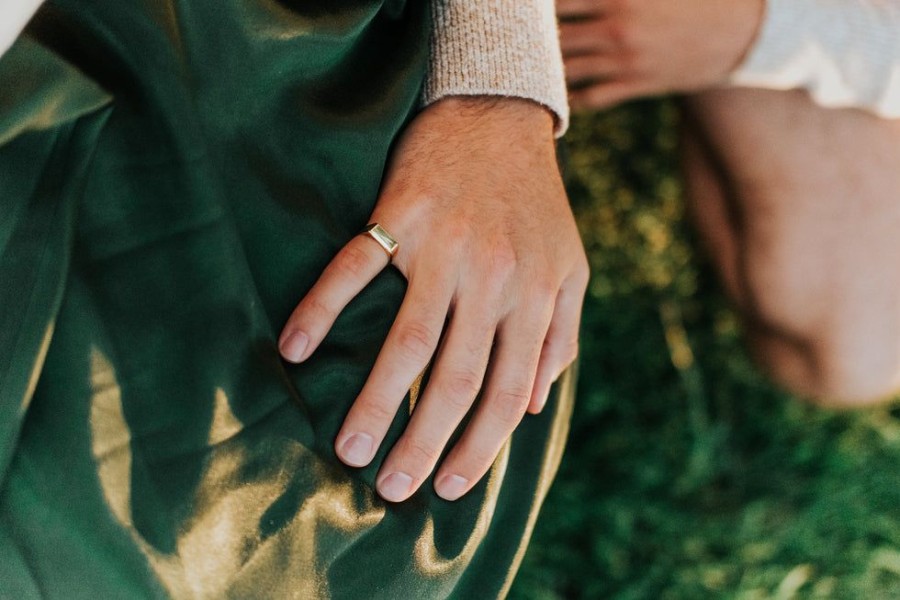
[384, 239]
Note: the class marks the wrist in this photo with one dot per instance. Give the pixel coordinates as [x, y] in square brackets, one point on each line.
[528, 116]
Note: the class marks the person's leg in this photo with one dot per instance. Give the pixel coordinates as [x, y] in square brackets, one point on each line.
[800, 207]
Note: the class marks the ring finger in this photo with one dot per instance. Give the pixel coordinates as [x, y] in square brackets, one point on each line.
[503, 405]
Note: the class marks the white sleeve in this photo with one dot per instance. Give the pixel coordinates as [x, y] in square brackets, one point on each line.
[845, 53]
[14, 15]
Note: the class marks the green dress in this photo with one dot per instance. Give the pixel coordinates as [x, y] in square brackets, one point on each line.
[173, 177]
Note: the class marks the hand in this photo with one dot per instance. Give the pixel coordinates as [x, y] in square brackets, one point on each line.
[487, 240]
[616, 50]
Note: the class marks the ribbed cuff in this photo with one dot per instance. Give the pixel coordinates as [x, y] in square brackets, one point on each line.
[498, 48]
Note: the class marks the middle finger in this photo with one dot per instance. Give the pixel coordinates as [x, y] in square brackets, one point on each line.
[591, 68]
[409, 346]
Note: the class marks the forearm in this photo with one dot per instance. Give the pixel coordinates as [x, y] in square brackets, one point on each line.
[497, 48]
[845, 53]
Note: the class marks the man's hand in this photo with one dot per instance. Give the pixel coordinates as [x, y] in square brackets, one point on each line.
[489, 246]
[616, 50]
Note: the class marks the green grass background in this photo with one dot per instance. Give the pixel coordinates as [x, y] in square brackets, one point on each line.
[698, 480]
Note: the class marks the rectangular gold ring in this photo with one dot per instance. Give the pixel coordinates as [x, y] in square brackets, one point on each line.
[384, 239]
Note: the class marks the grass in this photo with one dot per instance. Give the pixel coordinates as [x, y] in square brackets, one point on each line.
[687, 474]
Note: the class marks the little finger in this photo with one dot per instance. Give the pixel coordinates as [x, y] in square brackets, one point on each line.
[561, 345]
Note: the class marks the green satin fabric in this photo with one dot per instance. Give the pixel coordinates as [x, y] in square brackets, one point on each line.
[173, 177]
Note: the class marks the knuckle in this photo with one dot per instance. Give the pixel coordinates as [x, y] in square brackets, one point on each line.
[417, 451]
[535, 307]
[544, 290]
[503, 259]
[352, 261]
[582, 273]
[509, 405]
[417, 341]
[376, 411]
[316, 309]
[619, 32]
[481, 348]
[462, 387]
[493, 295]
[457, 234]
[476, 460]
[565, 352]
[428, 194]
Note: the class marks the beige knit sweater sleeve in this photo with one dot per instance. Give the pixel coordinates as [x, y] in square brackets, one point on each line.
[845, 53]
[497, 48]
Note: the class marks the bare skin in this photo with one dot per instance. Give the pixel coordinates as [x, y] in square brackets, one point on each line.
[798, 204]
[801, 209]
[487, 240]
[615, 50]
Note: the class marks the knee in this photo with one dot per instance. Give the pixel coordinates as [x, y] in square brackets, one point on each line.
[828, 367]
[836, 342]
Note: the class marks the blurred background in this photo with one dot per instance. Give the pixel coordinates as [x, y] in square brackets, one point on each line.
[687, 475]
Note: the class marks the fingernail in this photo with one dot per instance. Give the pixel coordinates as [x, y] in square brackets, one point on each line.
[358, 449]
[452, 487]
[395, 487]
[294, 346]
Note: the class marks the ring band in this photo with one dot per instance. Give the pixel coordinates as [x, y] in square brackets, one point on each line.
[384, 239]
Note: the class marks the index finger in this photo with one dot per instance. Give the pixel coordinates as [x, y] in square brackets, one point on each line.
[354, 266]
